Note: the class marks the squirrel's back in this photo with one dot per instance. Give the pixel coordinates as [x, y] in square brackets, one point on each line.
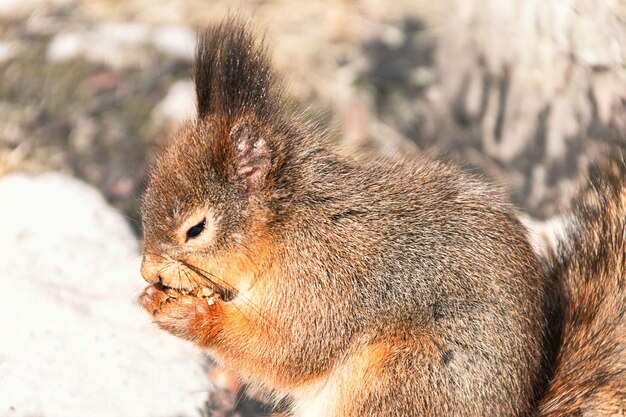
[589, 373]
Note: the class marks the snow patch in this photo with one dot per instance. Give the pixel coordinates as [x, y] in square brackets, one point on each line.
[175, 41]
[178, 105]
[74, 341]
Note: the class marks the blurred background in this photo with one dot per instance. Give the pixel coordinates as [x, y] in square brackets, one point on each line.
[528, 93]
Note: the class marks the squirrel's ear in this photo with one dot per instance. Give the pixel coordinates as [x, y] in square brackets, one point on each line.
[252, 155]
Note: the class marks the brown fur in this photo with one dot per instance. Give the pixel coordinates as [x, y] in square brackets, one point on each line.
[590, 369]
[364, 287]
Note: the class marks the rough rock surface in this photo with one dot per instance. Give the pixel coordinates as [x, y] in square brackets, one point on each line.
[536, 89]
[74, 343]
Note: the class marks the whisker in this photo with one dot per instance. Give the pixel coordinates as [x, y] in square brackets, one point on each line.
[157, 273]
[245, 250]
[180, 282]
[239, 396]
[248, 302]
[226, 288]
[157, 255]
[222, 286]
[179, 285]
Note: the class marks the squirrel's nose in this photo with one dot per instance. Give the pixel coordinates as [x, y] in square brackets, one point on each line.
[150, 269]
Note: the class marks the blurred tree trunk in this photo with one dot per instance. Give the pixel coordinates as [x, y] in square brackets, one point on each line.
[538, 86]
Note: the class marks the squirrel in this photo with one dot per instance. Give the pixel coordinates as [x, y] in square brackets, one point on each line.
[370, 287]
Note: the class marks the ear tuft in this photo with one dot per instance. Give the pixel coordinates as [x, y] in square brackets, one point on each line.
[233, 74]
[253, 155]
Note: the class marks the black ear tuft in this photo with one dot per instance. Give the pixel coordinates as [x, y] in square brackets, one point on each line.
[233, 74]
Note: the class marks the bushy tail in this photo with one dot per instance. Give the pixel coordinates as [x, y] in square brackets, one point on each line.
[589, 374]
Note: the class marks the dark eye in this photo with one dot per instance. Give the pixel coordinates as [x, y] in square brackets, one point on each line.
[196, 230]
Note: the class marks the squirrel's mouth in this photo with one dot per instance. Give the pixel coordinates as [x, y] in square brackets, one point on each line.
[211, 295]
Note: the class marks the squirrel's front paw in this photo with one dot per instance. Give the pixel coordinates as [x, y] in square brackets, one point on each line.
[181, 315]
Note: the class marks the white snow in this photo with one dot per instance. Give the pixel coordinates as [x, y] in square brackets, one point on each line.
[13, 9]
[122, 44]
[176, 41]
[65, 46]
[178, 105]
[72, 340]
[17, 8]
[8, 50]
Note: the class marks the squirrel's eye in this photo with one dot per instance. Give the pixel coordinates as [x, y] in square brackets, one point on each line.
[196, 230]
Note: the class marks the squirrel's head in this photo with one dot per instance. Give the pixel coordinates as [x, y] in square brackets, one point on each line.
[213, 192]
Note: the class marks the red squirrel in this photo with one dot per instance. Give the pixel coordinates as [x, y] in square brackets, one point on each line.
[370, 287]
